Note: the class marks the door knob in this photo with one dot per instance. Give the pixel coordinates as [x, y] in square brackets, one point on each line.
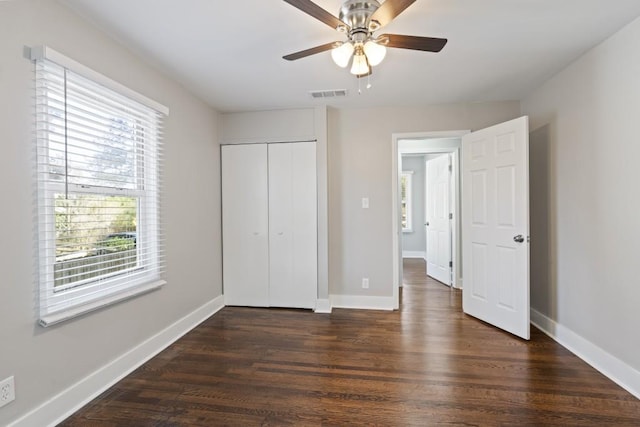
[426, 223]
[518, 239]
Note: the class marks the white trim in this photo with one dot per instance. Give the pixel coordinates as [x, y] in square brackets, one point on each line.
[45, 52]
[444, 134]
[456, 223]
[362, 302]
[610, 366]
[396, 222]
[323, 306]
[64, 404]
[79, 310]
[321, 129]
[414, 254]
[279, 140]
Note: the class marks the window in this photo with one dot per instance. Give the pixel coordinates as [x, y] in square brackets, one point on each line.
[98, 168]
[406, 195]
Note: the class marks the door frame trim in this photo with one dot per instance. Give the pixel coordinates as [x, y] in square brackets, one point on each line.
[396, 228]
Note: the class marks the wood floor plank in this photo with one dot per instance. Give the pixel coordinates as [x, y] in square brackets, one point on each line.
[426, 364]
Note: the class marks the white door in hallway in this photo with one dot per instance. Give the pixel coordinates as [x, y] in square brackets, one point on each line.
[438, 222]
[495, 225]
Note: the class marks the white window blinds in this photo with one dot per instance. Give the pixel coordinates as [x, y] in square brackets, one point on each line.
[99, 173]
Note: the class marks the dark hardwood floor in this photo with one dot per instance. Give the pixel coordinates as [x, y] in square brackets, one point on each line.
[425, 365]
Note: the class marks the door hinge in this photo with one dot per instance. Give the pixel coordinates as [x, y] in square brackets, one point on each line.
[450, 264]
[450, 216]
[450, 168]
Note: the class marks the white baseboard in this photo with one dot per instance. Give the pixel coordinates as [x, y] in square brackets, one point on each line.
[610, 366]
[63, 405]
[414, 254]
[362, 302]
[323, 306]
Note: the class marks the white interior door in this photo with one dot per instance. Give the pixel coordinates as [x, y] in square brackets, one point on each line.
[438, 222]
[245, 225]
[495, 225]
[293, 227]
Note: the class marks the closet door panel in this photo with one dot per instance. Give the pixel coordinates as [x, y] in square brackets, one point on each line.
[245, 209]
[293, 225]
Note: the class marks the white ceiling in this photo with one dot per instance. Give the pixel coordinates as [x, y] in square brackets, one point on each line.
[230, 52]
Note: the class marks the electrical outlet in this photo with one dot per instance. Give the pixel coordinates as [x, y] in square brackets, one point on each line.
[365, 283]
[7, 391]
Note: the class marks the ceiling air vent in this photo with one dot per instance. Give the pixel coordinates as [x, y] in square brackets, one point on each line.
[328, 93]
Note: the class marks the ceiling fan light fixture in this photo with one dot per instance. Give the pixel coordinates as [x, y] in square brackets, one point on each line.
[375, 52]
[359, 67]
[342, 54]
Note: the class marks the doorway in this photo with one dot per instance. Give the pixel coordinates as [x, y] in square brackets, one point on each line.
[426, 147]
[494, 219]
[427, 212]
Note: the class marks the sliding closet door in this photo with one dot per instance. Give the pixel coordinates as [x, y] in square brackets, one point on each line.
[293, 227]
[245, 204]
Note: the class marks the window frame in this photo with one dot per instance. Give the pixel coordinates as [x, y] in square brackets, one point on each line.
[87, 290]
[408, 202]
[56, 305]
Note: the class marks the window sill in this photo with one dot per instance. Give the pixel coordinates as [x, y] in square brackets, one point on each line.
[70, 313]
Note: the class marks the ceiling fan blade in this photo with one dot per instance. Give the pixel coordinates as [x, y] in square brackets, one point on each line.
[429, 44]
[309, 52]
[389, 10]
[310, 8]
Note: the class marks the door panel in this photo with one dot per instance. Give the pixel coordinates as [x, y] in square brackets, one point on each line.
[293, 225]
[245, 225]
[495, 209]
[437, 217]
[479, 197]
[478, 283]
[505, 181]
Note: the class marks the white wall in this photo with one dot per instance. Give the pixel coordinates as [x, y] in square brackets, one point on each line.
[295, 124]
[360, 153]
[47, 361]
[415, 241]
[585, 121]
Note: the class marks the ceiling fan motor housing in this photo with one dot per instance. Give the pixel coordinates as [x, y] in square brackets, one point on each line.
[356, 14]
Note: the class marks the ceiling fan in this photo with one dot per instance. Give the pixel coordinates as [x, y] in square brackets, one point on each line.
[359, 20]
